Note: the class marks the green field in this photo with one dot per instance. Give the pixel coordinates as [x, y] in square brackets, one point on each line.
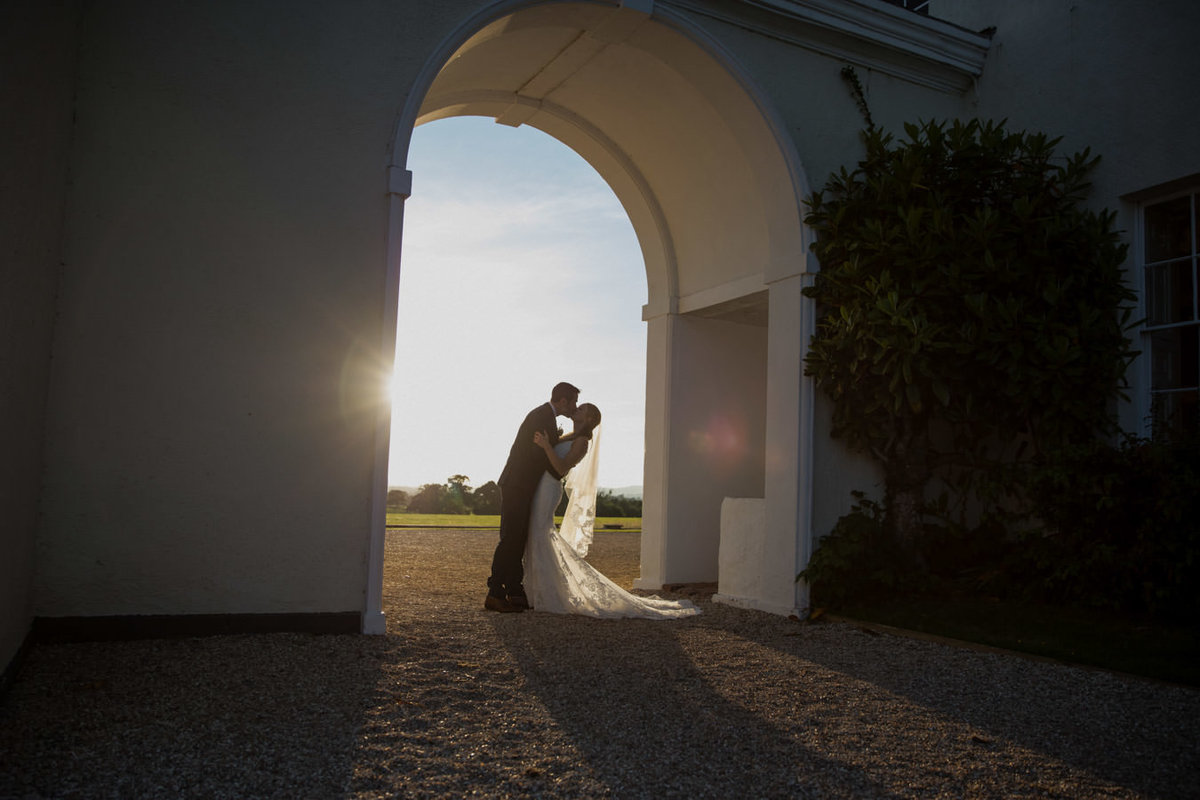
[399, 519]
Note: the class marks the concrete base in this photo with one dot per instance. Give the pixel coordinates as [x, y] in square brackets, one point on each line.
[755, 604]
[374, 623]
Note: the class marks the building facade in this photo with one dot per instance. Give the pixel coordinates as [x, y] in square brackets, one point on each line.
[202, 229]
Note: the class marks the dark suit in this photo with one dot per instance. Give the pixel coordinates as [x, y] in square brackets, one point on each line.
[518, 483]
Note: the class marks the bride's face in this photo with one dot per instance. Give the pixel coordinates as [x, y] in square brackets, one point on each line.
[582, 417]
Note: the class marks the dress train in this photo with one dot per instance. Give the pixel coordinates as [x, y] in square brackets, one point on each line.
[559, 580]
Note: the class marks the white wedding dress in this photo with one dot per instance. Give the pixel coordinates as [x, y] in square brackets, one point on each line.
[557, 578]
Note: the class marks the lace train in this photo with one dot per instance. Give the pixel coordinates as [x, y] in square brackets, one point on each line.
[559, 580]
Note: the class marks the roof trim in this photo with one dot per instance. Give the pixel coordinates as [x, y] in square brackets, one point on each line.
[870, 33]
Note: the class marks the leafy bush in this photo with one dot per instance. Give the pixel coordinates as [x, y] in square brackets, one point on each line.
[617, 505]
[971, 308]
[1121, 528]
[397, 500]
[1110, 527]
[436, 498]
[857, 560]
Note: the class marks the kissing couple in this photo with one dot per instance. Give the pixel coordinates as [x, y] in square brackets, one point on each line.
[538, 566]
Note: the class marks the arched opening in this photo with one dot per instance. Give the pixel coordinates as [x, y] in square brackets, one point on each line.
[713, 191]
[520, 270]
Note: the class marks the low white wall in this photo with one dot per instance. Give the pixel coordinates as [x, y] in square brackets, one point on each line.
[742, 552]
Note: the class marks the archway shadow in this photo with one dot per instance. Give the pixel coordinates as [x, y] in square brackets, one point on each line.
[267, 715]
[1060, 711]
[647, 722]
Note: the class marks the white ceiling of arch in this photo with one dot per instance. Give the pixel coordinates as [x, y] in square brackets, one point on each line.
[677, 137]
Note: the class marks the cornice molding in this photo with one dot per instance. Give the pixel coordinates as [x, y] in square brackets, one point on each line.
[868, 33]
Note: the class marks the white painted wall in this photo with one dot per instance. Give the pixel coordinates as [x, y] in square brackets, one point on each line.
[37, 62]
[210, 428]
[221, 315]
[209, 441]
[716, 428]
[1115, 77]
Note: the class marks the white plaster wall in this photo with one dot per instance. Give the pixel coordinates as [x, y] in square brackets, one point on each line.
[1116, 77]
[210, 435]
[699, 171]
[674, 133]
[37, 71]
[716, 440]
[216, 363]
[837, 472]
[806, 89]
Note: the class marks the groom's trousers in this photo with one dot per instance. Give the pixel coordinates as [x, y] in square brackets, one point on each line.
[508, 573]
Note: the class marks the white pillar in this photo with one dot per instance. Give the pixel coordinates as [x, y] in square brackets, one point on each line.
[789, 449]
[658, 432]
[373, 621]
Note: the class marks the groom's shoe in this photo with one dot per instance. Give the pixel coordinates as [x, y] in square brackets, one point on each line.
[520, 601]
[493, 603]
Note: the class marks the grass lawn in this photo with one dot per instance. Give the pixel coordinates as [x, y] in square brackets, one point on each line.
[396, 519]
[1106, 640]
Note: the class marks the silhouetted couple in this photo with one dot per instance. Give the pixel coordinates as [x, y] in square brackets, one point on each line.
[537, 565]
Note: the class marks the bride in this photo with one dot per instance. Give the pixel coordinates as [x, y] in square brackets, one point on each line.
[557, 578]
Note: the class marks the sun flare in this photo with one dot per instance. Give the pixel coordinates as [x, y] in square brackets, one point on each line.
[391, 387]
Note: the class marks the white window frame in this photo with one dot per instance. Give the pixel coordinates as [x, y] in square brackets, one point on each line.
[1189, 187]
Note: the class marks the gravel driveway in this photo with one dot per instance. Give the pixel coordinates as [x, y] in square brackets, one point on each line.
[458, 702]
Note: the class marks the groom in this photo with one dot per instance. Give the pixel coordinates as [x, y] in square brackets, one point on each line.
[518, 483]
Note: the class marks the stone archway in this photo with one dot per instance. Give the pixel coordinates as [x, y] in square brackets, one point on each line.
[713, 190]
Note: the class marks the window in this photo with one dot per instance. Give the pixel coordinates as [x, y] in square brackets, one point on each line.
[1169, 253]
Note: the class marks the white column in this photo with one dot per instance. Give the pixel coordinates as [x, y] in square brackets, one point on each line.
[399, 188]
[789, 449]
[658, 432]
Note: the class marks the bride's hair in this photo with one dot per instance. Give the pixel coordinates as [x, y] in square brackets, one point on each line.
[593, 419]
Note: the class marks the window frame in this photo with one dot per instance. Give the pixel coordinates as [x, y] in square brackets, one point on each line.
[1147, 394]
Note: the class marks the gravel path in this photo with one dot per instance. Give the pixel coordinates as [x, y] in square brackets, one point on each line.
[457, 702]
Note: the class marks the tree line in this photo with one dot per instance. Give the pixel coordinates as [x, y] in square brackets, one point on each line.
[456, 496]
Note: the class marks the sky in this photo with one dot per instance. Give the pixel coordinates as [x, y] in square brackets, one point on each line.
[519, 269]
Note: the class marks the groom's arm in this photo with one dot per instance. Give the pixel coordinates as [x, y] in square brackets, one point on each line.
[552, 429]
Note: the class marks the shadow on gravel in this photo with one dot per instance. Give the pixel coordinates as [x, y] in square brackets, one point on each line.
[225, 716]
[1136, 733]
[648, 724]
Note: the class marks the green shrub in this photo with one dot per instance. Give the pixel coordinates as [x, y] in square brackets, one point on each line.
[1110, 527]
[971, 307]
[857, 560]
[1121, 528]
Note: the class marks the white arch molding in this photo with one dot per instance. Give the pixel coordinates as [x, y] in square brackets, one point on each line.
[712, 185]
